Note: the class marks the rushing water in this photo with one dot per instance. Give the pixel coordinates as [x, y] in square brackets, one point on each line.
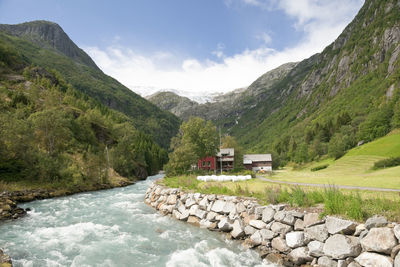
[114, 228]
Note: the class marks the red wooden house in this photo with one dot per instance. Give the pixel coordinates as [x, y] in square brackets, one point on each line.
[225, 157]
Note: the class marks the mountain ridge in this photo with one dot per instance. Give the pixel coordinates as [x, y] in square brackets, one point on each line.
[32, 40]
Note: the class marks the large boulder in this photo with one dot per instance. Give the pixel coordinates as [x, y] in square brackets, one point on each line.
[267, 234]
[256, 238]
[324, 261]
[193, 220]
[268, 214]
[311, 219]
[184, 215]
[224, 225]
[397, 260]
[295, 239]
[300, 256]
[218, 206]
[257, 224]
[340, 226]
[203, 204]
[340, 246]
[396, 231]
[380, 240]
[369, 259]
[317, 232]
[237, 229]
[249, 230]
[299, 225]
[280, 228]
[279, 244]
[229, 207]
[316, 248]
[171, 200]
[376, 221]
[240, 207]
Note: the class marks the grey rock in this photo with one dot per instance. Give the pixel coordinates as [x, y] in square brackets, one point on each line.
[340, 246]
[396, 231]
[363, 234]
[279, 216]
[256, 238]
[397, 260]
[342, 263]
[268, 214]
[257, 224]
[229, 207]
[240, 207]
[395, 251]
[190, 202]
[194, 220]
[193, 209]
[176, 214]
[299, 225]
[324, 261]
[336, 226]
[374, 260]
[279, 244]
[201, 214]
[203, 203]
[211, 216]
[237, 229]
[300, 256]
[249, 230]
[280, 228]
[267, 234]
[376, 221]
[258, 211]
[380, 240]
[311, 219]
[317, 232]
[353, 264]
[315, 248]
[295, 239]
[297, 214]
[359, 229]
[204, 223]
[184, 215]
[224, 225]
[218, 206]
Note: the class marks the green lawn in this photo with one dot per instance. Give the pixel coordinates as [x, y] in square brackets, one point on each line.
[354, 168]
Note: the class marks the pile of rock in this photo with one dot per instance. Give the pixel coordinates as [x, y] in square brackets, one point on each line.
[284, 236]
[5, 260]
[9, 209]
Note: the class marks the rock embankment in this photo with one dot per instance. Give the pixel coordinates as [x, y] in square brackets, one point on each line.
[5, 260]
[283, 236]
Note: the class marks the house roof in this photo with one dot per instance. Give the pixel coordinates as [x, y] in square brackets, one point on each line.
[250, 158]
[226, 152]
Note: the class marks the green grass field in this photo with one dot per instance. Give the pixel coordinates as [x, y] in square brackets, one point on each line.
[354, 168]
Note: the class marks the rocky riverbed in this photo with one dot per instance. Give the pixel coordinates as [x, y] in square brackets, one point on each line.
[283, 236]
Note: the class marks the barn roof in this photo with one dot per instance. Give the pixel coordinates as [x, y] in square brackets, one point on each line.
[226, 152]
[250, 158]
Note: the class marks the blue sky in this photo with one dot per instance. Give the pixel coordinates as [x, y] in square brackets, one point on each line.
[191, 45]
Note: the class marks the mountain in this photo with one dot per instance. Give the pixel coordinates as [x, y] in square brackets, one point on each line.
[224, 109]
[45, 44]
[327, 103]
[54, 136]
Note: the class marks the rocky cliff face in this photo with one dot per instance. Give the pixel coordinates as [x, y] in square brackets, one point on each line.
[47, 35]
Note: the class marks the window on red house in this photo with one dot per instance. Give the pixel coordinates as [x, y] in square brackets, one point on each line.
[203, 163]
[209, 163]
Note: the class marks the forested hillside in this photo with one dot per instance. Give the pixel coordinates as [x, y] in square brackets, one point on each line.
[50, 132]
[45, 44]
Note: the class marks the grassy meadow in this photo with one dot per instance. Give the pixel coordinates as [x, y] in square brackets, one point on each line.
[354, 168]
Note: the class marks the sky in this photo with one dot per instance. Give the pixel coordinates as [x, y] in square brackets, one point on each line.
[196, 46]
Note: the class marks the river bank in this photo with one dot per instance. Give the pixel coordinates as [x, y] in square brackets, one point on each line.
[282, 235]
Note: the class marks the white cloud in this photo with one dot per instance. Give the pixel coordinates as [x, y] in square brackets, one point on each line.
[265, 37]
[320, 21]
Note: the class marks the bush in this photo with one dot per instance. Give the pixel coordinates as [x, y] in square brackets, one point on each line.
[386, 163]
[320, 167]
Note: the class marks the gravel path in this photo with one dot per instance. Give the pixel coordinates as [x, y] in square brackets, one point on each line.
[324, 185]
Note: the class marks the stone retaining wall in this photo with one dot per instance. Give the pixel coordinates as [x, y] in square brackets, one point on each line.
[283, 236]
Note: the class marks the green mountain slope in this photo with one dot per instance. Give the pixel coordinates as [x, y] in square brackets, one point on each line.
[328, 102]
[52, 134]
[45, 44]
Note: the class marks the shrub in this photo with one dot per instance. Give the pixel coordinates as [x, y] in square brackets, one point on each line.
[386, 163]
[320, 167]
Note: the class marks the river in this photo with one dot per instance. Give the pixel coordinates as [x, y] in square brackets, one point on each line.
[114, 228]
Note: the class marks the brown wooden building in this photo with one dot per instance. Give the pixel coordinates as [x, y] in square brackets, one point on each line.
[258, 162]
